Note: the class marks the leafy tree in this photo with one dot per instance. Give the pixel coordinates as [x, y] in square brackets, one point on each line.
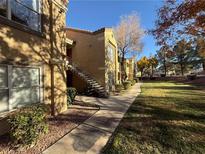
[186, 55]
[128, 35]
[180, 19]
[163, 56]
[200, 48]
[143, 64]
[153, 63]
[182, 54]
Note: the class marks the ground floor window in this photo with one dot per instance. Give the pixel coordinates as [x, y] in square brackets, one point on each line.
[25, 12]
[3, 8]
[111, 80]
[19, 86]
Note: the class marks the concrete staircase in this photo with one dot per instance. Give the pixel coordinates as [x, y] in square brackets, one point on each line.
[93, 87]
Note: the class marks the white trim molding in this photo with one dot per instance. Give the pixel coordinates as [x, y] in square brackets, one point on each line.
[69, 41]
[60, 4]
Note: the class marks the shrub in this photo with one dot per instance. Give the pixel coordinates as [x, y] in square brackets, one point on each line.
[140, 78]
[133, 82]
[137, 79]
[27, 124]
[162, 75]
[127, 84]
[191, 76]
[71, 93]
[119, 87]
[152, 78]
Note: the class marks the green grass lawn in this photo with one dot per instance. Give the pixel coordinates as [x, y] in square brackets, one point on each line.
[167, 117]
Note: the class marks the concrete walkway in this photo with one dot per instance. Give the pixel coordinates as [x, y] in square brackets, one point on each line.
[92, 135]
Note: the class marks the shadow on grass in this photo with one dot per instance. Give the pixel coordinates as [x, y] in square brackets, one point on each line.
[170, 123]
[184, 84]
[154, 130]
[179, 86]
[162, 114]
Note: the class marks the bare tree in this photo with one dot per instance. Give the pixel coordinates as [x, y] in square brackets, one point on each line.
[128, 34]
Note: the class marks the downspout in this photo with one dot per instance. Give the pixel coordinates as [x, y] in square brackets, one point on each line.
[52, 56]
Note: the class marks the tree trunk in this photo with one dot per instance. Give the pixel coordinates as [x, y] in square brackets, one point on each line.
[123, 75]
[165, 67]
[182, 69]
[152, 70]
[52, 55]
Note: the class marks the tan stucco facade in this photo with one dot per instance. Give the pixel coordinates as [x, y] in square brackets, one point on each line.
[129, 64]
[20, 46]
[90, 54]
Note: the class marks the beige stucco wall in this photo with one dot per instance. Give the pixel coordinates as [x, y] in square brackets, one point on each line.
[131, 69]
[129, 65]
[119, 73]
[17, 46]
[111, 66]
[90, 54]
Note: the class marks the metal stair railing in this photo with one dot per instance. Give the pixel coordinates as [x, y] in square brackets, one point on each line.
[87, 77]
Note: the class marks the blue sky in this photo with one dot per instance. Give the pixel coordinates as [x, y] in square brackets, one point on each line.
[95, 14]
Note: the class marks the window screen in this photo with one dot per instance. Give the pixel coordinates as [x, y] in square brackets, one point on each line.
[3, 89]
[111, 53]
[3, 9]
[25, 77]
[24, 96]
[26, 12]
[24, 87]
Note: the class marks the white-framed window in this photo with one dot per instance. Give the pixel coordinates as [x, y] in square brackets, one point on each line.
[25, 12]
[19, 86]
[111, 53]
[3, 9]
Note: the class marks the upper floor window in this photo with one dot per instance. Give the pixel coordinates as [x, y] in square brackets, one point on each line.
[25, 12]
[3, 9]
[111, 54]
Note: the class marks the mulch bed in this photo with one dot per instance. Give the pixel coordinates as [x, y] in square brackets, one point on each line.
[58, 127]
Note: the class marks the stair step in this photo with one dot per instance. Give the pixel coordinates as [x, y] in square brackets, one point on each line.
[99, 89]
[90, 91]
[92, 81]
[94, 84]
[94, 87]
[97, 86]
